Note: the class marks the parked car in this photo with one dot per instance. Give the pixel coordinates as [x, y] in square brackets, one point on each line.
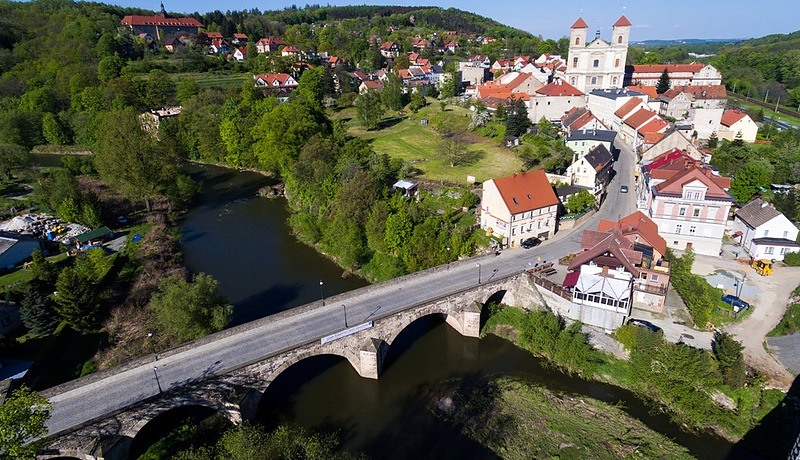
[643, 323]
[624, 189]
[531, 242]
[735, 302]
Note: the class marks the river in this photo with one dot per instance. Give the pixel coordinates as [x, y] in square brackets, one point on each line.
[245, 242]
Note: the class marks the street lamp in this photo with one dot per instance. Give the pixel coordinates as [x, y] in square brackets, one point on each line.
[448, 257]
[158, 382]
[321, 293]
[153, 345]
[344, 307]
[479, 273]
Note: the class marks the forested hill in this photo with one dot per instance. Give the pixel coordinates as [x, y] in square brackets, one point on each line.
[770, 63]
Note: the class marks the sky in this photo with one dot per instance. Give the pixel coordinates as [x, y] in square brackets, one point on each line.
[651, 19]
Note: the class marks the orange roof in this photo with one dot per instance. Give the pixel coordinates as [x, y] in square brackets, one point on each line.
[653, 138]
[239, 36]
[637, 224]
[518, 80]
[583, 120]
[639, 118]
[580, 24]
[372, 84]
[526, 191]
[655, 125]
[133, 20]
[627, 107]
[622, 22]
[659, 68]
[213, 35]
[705, 91]
[716, 184]
[650, 91]
[559, 89]
[731, 116]
[290, 49]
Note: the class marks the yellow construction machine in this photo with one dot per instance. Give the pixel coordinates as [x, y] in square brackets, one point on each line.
[762, 266]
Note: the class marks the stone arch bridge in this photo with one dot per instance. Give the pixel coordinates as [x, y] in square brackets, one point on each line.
[236, 393]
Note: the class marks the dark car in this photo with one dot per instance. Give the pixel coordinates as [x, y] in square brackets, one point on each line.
[735, 301]
[624, 189]
[643, 323]
[531, 242]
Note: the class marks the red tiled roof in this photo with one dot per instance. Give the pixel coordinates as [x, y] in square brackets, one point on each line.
[281, 78]
[213, 35]
[659, 68]
[612, 241]
[650, 91]
[731, 116]
[627, 107]
[705, 91]
[639, 118]
[239, 36]
[668, 158]
[716, 184]
[518, 80]
[580, 24]
[622, 22]
[526, 191]
[372, 84]
[583, 120]
[133, 20]
[559, 89]
[656, 125]
[637, 224]
[290, 49]
[653, 138]
[388, 45]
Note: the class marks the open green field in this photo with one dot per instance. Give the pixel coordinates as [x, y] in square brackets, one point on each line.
[23, 275]
[407, 139]
[211, 80]
[767, 112]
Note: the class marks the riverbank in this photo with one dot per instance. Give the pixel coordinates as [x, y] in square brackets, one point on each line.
[520, 420]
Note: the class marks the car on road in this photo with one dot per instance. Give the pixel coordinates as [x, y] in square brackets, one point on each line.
[624, 189]
[643, 323]
[735, 302]
[531, 242]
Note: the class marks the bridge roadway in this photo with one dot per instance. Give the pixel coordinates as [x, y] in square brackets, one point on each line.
[81, 401]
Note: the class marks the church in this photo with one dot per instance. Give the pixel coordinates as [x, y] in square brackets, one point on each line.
[161, 26]
[597, 63]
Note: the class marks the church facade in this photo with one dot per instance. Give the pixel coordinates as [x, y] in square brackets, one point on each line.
[597, 63]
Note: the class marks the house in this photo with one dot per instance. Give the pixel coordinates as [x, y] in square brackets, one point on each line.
[675, 103]
[160, 26]
[633, 124]
[219, 46]
[737, 124]
[511, 141]
[370, 85]
[240, 54]
[650, 288]
[626, 110]
[15, 248]
[408, 188]
[172, 44]
[335, 61]
[93, 237]
[239, 39]
[449, 46]
[679, 74]
[764, 232]
[553, 100]
[586, 139]
[419, 43]
[592, 170]
[390, 50]
[688, 201]
[268, 45]
[673, 140]
[597, 63]
[519, 206]
[604, 102]
[581, 118]
[279, 84]
[290, 51]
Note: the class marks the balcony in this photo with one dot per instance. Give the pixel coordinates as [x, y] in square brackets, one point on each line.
[657, 290]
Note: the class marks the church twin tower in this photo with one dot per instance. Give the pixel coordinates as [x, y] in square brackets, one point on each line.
[597, 63]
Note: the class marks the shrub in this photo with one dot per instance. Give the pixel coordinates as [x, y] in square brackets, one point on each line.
[792, 259]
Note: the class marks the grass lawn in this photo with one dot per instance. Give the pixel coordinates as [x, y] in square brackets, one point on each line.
[211, 80]
[767, 112]
[24, 275]
[410, 141]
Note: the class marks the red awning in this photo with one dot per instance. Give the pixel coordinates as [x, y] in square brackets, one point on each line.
[571, 280]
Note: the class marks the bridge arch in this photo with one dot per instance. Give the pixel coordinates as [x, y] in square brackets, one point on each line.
[66, 454]
[167, 407]
[302, 355]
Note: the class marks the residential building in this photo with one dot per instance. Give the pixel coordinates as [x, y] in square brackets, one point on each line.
[764, 232]
[240, 54]
[586, 139]
[553, 100]
[626, 110]
[675, 103]
[389, 50]
[635, 127]
[592, 170]
[604, 102]
[14, 249]
[518, 207]
[290, 51]
[679, 74]
[688, 201]
[172, 44]
[269, 45]
[597, 64]
[160, 26]
[581, 119]
[735, 123]
[279, 84]
[650, 287]
[239, 39]
[673, 140]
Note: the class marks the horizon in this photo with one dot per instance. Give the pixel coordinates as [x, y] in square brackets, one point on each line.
[649, 23]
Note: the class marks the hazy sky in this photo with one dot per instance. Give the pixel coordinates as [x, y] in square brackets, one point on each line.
[652, 19]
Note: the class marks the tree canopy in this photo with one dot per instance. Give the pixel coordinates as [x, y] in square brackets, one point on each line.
[22, 418]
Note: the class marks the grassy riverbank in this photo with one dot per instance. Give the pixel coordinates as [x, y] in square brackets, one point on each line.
[519, 420]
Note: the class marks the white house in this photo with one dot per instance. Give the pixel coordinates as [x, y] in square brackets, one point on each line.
[733, 123]
[679, 74]
[597, 63]
[764, 232]
[592, 170]
[554, 100]
[518, 207]
[607, 292]
[586, 139]
[604, 102]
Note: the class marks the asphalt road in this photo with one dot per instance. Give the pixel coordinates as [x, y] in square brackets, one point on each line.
[98, 399]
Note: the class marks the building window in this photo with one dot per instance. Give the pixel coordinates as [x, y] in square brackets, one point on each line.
[573, 79]
[769, 250]
[784, 250]
[594, 80]
[692, 229]
[786, 233]
[766, 232]
[574, 62]
[678, 229]
[614, 81]
[540, 224]
[696, 212]
[577, 40]
[596, 63]
[654, 278]
[619, 39]
[682, 211]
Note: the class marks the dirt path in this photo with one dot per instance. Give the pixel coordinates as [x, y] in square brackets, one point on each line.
[770, 305]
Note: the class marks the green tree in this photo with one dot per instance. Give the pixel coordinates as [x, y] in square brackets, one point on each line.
[748, 180]
[392, 93]
[311, 85]
[280, 134]
[187, 88]
[728, 353]
[713, 141]
[580, 201]
[22, 419]
[132, 160]
[417, 101]
[454, 146]
[159, 89]
[109, 68]
[76, 300]
[41, 268]
[545, 128]
[449, 86]
[517, 121]
[370, 110]
[189, 310]
[53, 131]
[663, 82]
[37, 311]
[12, 157]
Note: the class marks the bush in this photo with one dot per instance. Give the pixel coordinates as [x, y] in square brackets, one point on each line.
[790, 323]
[792, 259]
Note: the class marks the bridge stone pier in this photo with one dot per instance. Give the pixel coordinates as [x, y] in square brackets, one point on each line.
[236, 393]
